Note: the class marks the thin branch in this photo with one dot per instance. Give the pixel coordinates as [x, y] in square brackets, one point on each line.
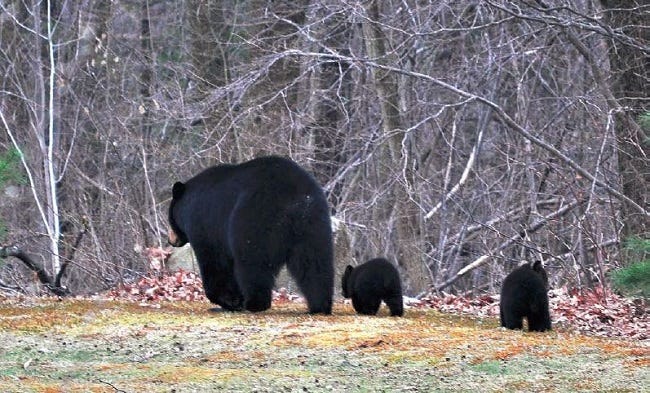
[483, 259]
[43, 276]
[151, 193]
[112, 386]
[508, 216]
[498, 111]
[70, 252]
[17, 22]
[554, 21]
[510, 122]
[471, 161]
[49, 158]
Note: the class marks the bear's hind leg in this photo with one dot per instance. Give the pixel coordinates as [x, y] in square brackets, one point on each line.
[396, 305]
[511, 313]
[501, 316]
[255, 284]
[219, 283]
[512, 322]
[311, 267]
[539, 322]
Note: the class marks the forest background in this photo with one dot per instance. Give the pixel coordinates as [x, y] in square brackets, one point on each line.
[454, 137]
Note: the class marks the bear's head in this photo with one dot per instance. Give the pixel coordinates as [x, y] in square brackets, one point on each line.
[539, 269]
[177, 237]
[345, 282]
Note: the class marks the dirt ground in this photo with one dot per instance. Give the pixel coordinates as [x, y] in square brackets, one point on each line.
[113, 346]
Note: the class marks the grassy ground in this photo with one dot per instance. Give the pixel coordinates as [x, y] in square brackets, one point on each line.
[110, 346]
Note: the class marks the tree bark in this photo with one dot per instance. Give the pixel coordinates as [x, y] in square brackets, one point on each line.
[326, 93]
[208, 55]
[409, 246]
[629, 85]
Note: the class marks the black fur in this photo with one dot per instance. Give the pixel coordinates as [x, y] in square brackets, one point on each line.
[246, 221]
[370, 283]
[524, 295]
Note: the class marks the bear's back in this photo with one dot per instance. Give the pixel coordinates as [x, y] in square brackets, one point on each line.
[270, 173]
[377, 274]
[526, 280]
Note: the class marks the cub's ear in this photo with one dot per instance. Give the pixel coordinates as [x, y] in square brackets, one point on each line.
[537, 266]
[345, 282]
[177, 190]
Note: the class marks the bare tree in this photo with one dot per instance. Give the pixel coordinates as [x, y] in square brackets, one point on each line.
[453, 137]
[629, 47]
[394, 158]
[39, 110]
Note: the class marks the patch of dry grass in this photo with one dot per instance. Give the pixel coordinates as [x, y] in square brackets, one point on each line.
[84, 345]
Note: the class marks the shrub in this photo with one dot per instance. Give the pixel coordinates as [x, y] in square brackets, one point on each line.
[10, 172]
[634, 280]
[644, 121]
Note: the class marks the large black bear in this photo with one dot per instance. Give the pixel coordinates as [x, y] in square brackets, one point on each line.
[370, 283]
[524, 294]
[245, 222]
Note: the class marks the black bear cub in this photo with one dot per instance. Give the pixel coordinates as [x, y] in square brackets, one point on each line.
[370, 283]
[524, 294]
[245, 222]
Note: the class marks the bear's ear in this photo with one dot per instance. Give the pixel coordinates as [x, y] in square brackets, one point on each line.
[345, 282]
[346, 275]
[177, 190]
[537, 266]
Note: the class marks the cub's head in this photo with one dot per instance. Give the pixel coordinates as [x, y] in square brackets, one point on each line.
[345, 282]
[539, 269]
[177, 237]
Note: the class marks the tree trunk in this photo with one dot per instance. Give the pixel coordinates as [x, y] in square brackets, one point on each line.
[325, 94]
[630, 70]
[208, 55]
[49, 137]
[408, 247]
